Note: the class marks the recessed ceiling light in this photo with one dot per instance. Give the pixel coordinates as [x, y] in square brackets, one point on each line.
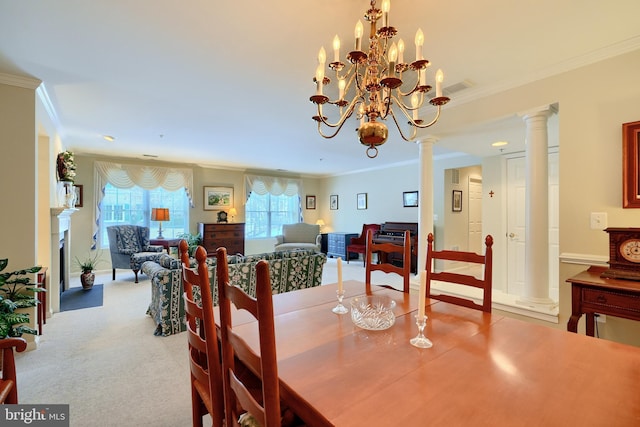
[109, 138]
[499, 143]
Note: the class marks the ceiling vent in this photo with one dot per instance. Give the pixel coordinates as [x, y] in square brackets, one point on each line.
[457, 87]
[455, 176]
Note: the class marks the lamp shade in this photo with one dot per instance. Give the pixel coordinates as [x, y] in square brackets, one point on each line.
[233, 211]
[160, 214]
[320, 222]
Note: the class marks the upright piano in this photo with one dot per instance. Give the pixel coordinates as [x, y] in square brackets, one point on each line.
[393, 232]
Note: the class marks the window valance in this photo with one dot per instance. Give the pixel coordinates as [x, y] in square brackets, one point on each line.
[273, 185]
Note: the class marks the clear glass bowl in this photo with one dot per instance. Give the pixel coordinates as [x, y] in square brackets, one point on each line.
[373, 312]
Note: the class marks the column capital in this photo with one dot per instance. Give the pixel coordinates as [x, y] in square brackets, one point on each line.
[540, 111]
[427, 139]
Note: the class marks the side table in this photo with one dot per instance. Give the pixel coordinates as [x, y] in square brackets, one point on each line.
[592, 294]
[166, 243]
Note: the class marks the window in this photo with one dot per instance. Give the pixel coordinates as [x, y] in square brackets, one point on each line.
[133, 206]
[265, 214]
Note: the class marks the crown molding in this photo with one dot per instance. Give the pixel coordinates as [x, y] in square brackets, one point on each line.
[19, 81]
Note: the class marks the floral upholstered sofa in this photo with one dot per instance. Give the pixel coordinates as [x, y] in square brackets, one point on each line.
[289, 270]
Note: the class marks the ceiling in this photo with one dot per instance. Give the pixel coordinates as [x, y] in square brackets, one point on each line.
[227, 84]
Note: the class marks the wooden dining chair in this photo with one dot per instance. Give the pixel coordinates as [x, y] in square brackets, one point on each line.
[8, 378]
[383, 250]
[469, 259]
[263, 405]
[204, 355]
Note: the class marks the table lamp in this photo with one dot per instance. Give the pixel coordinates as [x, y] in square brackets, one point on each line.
[320, 223]
[232, 212]
[160, 214]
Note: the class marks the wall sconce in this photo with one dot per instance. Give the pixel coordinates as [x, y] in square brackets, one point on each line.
[159, 215]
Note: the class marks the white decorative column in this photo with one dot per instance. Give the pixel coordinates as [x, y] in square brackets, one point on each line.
[60, 231]
[425, 204]
[536, 281]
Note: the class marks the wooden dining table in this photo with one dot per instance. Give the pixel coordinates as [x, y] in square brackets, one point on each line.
[484, 369]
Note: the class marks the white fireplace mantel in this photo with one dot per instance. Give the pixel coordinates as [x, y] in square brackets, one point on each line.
[60, 230]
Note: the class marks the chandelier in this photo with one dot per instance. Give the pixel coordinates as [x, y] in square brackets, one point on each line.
[376, 82]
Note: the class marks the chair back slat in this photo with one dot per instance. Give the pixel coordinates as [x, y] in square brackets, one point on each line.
[470, 258]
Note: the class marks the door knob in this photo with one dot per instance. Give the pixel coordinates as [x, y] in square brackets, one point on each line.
[512, 235]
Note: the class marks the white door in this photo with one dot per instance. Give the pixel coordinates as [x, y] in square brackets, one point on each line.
[476, 243]
[516, 215]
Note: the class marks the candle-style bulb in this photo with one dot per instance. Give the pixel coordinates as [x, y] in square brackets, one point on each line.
[393, 57]
[341, 85]
[322, 56]
[400, 51]
[319, 78]
[336, 49]
[358, 33]
[419, 42]
[414, 104]
[386, 5]
[439, 80]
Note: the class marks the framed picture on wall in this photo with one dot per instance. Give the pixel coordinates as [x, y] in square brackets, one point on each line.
[362, 201]
[631, 165]
[333, 202]
[218, 198]
[456, 201]
[410, 199]
[311, 202]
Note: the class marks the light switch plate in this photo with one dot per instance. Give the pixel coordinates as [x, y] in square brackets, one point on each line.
[598, 220]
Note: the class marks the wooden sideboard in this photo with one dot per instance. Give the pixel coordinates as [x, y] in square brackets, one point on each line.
[228, 235]
[592, 294]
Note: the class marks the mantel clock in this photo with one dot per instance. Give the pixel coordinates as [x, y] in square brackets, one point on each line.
[624, 253]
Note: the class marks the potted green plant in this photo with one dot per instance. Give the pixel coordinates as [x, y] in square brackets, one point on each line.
[88, 265]
[193, 240]
[16, 291]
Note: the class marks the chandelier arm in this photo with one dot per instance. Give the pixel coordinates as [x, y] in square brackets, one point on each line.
[431, 123]
[413, 133]
[340, 122]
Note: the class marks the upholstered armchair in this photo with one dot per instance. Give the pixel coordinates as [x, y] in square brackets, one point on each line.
[299, 236]
[359, 244]
[129, 246]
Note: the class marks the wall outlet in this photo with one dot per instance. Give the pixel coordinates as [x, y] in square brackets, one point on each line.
[598, 220]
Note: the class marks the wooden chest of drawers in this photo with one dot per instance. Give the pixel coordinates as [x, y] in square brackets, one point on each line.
[215, 235]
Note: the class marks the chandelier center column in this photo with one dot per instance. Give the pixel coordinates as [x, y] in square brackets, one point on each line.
[425, 204]
[536, 283]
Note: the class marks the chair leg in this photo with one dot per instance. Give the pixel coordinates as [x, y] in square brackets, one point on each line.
[114, 274]
[136, 273]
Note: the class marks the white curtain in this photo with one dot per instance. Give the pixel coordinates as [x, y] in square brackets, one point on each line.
[127, 176]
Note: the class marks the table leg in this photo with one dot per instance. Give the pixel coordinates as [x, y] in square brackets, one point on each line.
[591, 319]
[576, 309]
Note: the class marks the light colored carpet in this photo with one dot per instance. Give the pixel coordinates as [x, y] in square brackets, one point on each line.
[108, 366]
